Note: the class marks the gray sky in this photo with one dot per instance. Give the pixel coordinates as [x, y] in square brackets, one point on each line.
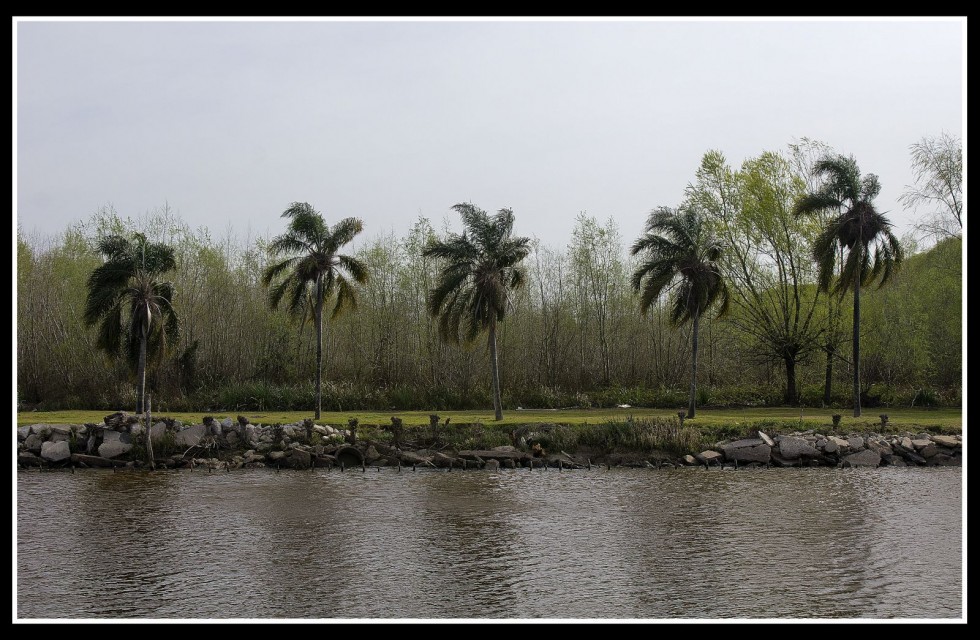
[231, 121]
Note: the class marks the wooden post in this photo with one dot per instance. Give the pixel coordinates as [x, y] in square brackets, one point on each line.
[341, 465]
[559, 465]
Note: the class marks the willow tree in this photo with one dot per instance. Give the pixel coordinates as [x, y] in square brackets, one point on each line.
[680, 256]
[314, 271]
[766, 259]
[858, 230]
[481, 266]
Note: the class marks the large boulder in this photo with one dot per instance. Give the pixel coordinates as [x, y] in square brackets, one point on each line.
[33, 444]
[793, 448]
[863, 458]
[117, 436]
[747, 450]
[113, 448]
[191, 436]
[947, 441]
[299, 459]
[55, 451]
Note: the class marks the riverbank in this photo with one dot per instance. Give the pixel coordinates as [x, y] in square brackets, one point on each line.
[119, 441]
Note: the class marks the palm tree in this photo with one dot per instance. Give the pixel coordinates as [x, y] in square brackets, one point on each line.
[857, 229]
[313, 271]
[132, 307]
[481, 266]
[681, 257]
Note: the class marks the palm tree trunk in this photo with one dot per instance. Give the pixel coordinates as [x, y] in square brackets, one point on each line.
[828, 377]
[494, 373]
[141, 375]
[149, 440]
[319, 344]
[694, 365]
[857, 342]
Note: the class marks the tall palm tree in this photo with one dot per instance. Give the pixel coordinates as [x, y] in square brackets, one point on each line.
[132, 306]
[313, 271]
[681, 257]
[857, 229]
[481, 266]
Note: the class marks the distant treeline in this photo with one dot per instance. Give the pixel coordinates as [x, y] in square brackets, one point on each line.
[574, 336]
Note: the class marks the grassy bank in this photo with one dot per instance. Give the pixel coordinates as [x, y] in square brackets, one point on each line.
[947, 420]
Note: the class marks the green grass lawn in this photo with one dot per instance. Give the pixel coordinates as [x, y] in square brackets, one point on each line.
[899, 419]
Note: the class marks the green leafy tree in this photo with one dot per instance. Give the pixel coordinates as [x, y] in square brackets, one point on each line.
[858, 230]
[680, 256]
[313, 271]
[131, 305]
[766, 259]
[481, 266]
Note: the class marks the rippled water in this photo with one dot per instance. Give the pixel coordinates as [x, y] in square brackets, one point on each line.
[615, 544]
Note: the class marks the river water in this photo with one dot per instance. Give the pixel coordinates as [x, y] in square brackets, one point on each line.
[511, 545]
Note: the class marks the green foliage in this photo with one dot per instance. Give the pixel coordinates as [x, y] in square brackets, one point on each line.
[131, 305]
[235, 355]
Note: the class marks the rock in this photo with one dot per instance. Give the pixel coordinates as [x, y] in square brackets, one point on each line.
[893, 460]
[413, 457]
[157, 431]
[928, 451]
[371, 454]
[120, 437]
[226, 424]
[829, 446]
[792, 448]
[863, 458]
[275, 456]
[908, 454]
[95, 461]
[492, 454]
[709, 457]
[299, 459]
[945, 460]
[231, 438]
[113, 448]
[191, 436]
[28, 459]
[946, 441]
[855, 442]
[55, 451]
[747, 452]
[324, 460]
[881, 447]
[33, 444]
[492, 465]
[766, 439]
[689, 459]
[921, 443]
[23, 432]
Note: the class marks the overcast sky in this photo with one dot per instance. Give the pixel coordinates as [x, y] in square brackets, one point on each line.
[231, 121]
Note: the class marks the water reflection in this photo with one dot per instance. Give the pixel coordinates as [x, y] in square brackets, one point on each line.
[578, 544]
